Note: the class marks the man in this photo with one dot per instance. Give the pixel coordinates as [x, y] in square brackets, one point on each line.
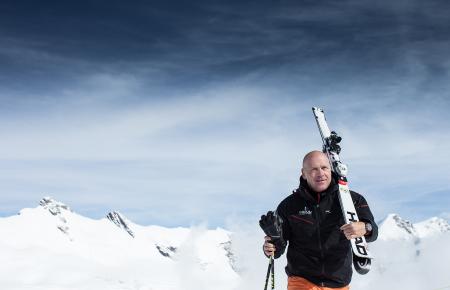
[319, 254]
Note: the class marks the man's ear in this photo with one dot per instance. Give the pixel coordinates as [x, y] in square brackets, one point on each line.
[303, 173]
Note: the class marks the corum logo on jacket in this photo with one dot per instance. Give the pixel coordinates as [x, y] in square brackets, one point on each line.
[306, 211]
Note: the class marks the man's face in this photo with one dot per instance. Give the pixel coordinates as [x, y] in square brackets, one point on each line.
[317, 172]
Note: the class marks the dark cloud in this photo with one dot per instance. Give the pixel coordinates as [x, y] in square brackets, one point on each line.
[50, 43]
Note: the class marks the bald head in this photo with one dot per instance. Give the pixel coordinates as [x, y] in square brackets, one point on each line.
[317, 171]
[312, 155]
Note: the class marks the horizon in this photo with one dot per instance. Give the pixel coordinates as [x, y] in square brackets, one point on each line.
[203, 224]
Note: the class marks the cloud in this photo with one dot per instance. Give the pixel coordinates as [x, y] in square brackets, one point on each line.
[202, 153]
[211, 42]
[92, 149]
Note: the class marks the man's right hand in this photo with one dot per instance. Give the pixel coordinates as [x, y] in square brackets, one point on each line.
[269, 248]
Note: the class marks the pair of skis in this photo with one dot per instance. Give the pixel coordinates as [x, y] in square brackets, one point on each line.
[361, 255]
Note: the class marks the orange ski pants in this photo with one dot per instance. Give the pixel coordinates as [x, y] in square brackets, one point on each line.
[299, 283]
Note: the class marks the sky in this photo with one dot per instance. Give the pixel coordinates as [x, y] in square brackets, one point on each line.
[177, 113]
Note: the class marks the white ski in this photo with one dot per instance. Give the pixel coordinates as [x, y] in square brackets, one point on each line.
[361, 254]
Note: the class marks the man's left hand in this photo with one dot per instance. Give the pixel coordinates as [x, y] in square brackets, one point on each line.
[354, 230]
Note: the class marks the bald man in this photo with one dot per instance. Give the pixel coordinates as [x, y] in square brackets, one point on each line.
[319, 253]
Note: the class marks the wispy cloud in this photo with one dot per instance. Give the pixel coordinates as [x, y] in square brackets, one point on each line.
[200, 155]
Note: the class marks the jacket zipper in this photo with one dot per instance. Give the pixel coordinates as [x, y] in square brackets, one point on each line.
[320, 240]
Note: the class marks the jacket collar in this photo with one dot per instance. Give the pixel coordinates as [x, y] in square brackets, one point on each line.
[306, 192]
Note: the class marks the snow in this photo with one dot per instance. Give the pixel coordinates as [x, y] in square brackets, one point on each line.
[393, 227]
[432, 227]
[408, 264]
[51, 247]
[408, 256]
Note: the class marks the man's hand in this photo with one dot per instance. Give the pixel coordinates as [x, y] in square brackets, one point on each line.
[271, 223]
[269, 248]
[354, 230]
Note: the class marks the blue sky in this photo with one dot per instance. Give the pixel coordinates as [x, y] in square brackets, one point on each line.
[176, 112]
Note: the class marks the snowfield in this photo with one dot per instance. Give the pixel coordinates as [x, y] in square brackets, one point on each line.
[51, 247]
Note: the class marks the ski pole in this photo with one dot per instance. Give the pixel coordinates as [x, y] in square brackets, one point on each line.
[269, 271]
[273, 273]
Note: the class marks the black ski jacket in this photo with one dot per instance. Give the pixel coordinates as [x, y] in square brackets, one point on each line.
[318, 250]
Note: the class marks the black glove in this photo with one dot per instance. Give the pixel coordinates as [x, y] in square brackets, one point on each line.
[271, 225]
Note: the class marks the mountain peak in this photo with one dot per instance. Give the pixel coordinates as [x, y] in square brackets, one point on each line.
[432, 226]
[119, 220]
[58, 209]
[53, 206]
[395, 227]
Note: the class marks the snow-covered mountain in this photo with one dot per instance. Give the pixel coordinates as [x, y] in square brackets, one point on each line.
[416, 251]
[393, 227]
[119, 220]
[431, 227]
[52, 247]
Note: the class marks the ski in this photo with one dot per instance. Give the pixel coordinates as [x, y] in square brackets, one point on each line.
[361, 255]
